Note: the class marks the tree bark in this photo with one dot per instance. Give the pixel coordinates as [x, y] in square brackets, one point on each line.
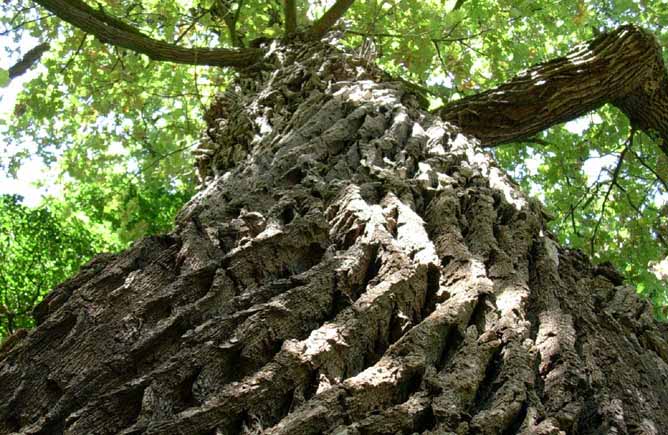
[353, 265]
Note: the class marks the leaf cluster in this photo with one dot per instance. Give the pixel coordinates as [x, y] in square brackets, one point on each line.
[39, 248]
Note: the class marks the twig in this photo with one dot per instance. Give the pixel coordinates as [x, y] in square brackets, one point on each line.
[649, 168]
[572, 211]
[586, 199]
[222, 10]
[18, 26]
[438, 52]
[472, 48]
[76, 53]
[164, 156]
[416, 35]
[613, 182]
[190, 27]
[119, 59]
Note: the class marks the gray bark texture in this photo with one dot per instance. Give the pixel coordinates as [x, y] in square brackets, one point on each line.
[352, 265]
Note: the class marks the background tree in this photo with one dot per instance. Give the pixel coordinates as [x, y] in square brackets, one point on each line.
[354, 263]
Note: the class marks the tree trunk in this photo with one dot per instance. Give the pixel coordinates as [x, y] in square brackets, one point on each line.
[353, 265]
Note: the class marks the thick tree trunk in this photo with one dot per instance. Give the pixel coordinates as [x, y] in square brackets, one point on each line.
[354, 265]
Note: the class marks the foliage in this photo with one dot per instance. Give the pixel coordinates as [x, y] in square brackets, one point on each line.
[39, 248]
[92, 97]
[129, 207]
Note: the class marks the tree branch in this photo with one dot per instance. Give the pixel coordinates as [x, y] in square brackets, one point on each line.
[113, 31]
[458, 5]
[623, 67]
[663, 182]
[28, 60]
[329, 18]
[290, 16]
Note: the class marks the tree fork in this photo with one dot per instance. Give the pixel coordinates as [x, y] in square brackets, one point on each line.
[623, 67]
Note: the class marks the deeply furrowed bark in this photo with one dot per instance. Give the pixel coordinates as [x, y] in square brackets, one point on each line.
[353, 265]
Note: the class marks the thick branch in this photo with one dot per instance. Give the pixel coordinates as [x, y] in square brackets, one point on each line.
[115, 32]
[329, 18]
[28, 60]
[623, 67]
[290, 16]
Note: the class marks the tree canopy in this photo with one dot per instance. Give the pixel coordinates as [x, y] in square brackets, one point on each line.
[121, 88]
